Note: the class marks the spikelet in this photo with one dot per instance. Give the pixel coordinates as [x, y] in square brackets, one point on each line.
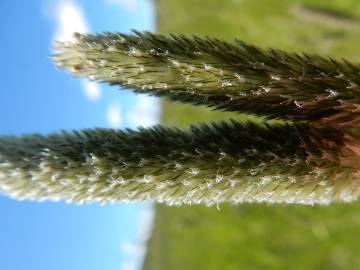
[234, 77]
[207, 164]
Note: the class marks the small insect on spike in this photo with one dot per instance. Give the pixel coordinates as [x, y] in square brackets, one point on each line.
[76, 68]
[76, 35]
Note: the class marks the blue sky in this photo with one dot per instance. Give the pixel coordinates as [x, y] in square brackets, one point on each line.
[36, 97]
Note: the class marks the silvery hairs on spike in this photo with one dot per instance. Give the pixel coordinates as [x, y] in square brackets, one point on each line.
[233, 77]
[314, 159]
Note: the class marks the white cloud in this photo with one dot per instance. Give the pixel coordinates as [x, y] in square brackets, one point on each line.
[129, 248]
[70, 18]
[128, 5]
[91, 90]
[146, 112]
[147, 214]
[113, 116]
[135, 251]
[129, 265]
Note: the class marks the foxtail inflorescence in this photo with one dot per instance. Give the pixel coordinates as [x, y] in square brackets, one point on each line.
[314, 158]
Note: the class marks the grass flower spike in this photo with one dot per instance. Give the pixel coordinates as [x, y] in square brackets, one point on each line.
[312, 159]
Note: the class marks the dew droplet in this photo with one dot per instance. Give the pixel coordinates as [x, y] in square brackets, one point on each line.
[102, 63]
[120, 181]
[185, 182]
[332, 93]
[111, 49]
[160, 86]
[90, 62]
[265, 180]
[54, 177]
[175, 63]
[191, 68]
[257, 64]
[135, 52]
[194, 171]
[240, 77]
[351, 85]
[292, 180]
[147, 86]
[253, 171]
[226, 84]
[129, 81]
[328, 190]
[298, 104]
[146, 179]
[265, 89]
[251, 152]
[121, 40]
[340, 75]
[178, 165]
[218, 178]
[233, 183]
[322, 183]
[141, 68]
[160, 186]
[190, 193]
[207, 66]
[275, 77]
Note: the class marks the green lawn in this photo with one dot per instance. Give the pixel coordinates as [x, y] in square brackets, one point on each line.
[258, 236]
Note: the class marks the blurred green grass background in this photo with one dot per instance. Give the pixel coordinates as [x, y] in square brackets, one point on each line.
[258, 236]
